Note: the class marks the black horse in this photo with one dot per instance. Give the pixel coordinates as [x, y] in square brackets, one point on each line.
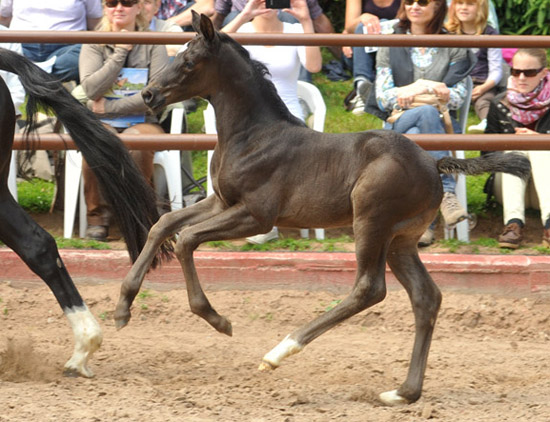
[131, 197]
[269, 169]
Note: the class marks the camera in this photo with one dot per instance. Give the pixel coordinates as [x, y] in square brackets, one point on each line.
[277, 4]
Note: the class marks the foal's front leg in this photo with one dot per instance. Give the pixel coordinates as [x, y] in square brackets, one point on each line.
[233, 223]
[168, 225]
[39, 251]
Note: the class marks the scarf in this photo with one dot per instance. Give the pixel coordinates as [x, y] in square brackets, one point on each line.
[527, 108]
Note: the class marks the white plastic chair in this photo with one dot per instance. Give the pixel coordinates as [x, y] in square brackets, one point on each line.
[311, 95]
[462, 229]
[166, 175]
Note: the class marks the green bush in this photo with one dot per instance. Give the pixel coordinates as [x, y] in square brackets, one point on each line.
[523, 17]
[36, 195]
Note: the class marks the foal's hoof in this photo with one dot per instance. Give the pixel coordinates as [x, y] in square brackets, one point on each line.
[122, 317]
[224, 326]
[84, 371]
[391, 398]
[265, 366]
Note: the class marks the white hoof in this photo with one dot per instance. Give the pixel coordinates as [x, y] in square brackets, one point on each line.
[266, 367]
[391, 398]
[284, 349]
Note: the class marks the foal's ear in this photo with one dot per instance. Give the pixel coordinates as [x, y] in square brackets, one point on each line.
[204, 26]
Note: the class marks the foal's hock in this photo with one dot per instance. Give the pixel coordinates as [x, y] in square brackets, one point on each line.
[269, 169]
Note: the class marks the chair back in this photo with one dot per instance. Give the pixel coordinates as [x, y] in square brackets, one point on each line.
[312, 97]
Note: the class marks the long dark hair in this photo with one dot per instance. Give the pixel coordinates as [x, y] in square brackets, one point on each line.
[436, 24]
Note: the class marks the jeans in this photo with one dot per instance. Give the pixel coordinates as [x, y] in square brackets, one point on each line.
[425, 119]
[364, 64]
[66, 64]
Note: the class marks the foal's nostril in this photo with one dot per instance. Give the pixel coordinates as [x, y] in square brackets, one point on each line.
[147, 95]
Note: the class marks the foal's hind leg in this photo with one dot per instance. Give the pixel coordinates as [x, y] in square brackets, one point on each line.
[168, 225]
[425, 298]
[39, 251]
[372, 238]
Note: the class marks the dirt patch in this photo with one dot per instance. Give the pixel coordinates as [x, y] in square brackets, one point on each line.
[489, 359]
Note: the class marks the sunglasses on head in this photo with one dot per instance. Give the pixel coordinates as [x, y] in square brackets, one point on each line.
[421, 3]
[529, 73]
[125, 3]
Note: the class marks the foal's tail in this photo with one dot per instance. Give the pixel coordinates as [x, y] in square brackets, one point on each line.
[511, 162]
[132, 198]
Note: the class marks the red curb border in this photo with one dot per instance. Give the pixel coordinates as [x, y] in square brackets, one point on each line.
[514, 274]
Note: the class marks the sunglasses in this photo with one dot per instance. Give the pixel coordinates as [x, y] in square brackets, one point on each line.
[529, 73]
[421, 3]
[125, 3]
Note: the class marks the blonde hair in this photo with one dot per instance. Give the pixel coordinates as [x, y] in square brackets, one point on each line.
[453, 24]
[537, 53]
[141, 21]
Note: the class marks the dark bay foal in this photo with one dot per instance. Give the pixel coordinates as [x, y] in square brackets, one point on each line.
[269, 169]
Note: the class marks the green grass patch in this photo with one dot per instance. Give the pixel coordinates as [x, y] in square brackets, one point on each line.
[36, 195]
[77, 243]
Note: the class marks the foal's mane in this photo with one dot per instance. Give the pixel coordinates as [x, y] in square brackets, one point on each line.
[264, 85]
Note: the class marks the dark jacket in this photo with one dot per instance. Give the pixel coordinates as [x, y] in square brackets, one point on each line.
[499, 118]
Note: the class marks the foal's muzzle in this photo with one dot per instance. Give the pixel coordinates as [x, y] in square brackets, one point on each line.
[153, 98]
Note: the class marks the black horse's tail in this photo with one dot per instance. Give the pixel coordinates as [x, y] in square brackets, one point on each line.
[512, 163]
[132, 198]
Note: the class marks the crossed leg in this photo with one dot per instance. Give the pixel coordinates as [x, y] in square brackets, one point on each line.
[167, 226]
[234, 222]
[39, 251]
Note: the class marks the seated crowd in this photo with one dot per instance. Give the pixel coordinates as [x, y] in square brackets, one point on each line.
[409, 89]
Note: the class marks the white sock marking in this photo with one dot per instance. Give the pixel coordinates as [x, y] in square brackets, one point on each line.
[87, 337]
[284, 349]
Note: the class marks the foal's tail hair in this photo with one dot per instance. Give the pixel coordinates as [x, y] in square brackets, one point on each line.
[130, 195]
[511, 162]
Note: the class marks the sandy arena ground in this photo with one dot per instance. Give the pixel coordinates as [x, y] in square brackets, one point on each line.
[490, 359]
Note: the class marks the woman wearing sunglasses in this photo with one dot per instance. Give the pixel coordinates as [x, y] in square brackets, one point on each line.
[524, 109]
[100, 68]
[402, 73]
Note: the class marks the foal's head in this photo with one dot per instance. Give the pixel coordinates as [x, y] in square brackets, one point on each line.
[196, 71]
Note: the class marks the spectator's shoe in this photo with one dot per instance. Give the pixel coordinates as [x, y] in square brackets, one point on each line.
[451, 209]
[363, 90]
[546, 237]
[511, 236]
[98, 233]
[260, 239]
[479, 128]
[427, 238]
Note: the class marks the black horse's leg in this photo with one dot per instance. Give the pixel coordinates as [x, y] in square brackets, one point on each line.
[233, 223]
[425, 297]
[372, 238]
[38, 250]
[168, 225]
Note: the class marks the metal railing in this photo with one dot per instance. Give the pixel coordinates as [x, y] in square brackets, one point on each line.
[493, 142]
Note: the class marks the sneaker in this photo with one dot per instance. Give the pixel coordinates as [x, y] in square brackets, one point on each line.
[363, 90]
[511, 236]
[260, 239]
[427, 238]
[479, 128]
[451, 209]
[546, 238]
[98, 233]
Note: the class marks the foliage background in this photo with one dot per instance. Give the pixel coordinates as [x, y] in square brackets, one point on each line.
[516, 17]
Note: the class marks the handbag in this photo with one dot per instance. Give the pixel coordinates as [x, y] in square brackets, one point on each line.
[422, 100]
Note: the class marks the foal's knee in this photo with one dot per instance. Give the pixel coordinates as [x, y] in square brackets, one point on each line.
[186, 244]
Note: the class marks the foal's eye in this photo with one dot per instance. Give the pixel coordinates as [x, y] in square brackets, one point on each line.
[189, 65]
